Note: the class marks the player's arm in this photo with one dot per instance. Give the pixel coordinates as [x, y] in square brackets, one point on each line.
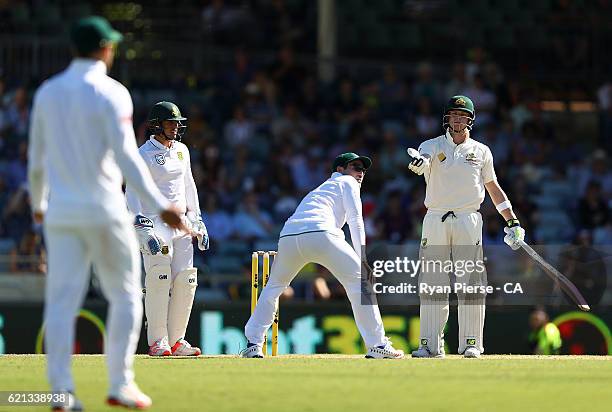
[514, 232]
[120, 134]
[354, 217]
[193, 208]
[132, 200]
[37, 178]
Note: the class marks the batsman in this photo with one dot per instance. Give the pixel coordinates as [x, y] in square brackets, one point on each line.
[457, 170]
[170, 280]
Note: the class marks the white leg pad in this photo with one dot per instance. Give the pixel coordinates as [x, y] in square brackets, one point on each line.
[181, 300]
[433, 318]
[471, 316]
[157, 290]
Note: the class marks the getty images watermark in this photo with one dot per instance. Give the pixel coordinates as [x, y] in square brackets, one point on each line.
[433, 273]
[403, 274]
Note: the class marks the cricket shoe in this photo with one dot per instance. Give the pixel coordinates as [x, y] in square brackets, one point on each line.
[252, 350]
[386, 351]
[424, 352]
[183, 348]
[129, 396]
[72, 404]
[471, 352]
[160, 348]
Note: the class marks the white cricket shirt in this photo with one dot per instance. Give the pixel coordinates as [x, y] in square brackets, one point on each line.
[329, 207]
[455, 180]
[82, 145]
[171, 171]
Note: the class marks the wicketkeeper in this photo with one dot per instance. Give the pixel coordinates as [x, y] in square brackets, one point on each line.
[457, 170]
[171, 280]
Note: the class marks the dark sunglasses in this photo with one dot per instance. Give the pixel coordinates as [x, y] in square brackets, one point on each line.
[358, 168]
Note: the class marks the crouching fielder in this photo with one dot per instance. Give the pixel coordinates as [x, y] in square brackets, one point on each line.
[170, 280]
[457, 169]
[314, 234]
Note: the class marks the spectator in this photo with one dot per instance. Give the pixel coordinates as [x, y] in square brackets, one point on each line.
[240, 129]
[592, 208]
[426, 86]
[18, 114]
[17, 169]
[484, 100]
[17, 215]
[251, 222]
[29, 254]
[584, 265]
[217, 221]
[394, 223]
[427, 125]
[545, 338]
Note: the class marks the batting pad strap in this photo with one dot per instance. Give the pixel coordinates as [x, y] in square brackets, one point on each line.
[503, 206]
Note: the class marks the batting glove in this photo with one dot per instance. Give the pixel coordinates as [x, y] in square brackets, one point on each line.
[150, 243]
[419, 163]
[515, 234]
[199, 229]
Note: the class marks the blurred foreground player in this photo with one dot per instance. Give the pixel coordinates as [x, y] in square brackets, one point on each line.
[168, 252]
[314, 234]
[457, 170]
[81, 146]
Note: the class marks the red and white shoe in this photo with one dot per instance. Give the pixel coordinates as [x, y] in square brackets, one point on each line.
[183, 348]
[131, 397]
[160, 348]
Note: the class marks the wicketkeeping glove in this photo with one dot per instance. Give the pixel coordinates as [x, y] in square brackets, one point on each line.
[514, 234]
[150, 243]
[199, 229]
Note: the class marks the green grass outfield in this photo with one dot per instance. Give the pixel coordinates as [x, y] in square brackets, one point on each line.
[340, 383]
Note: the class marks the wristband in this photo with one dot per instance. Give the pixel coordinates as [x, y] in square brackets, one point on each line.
[513, 223]
[503, 205]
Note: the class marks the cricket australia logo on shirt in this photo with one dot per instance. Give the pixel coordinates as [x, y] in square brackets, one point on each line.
[179, 155]
[160, 159]
[471, 158]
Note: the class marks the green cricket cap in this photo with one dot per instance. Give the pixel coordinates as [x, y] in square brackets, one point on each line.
[346, 158]
[92, 33]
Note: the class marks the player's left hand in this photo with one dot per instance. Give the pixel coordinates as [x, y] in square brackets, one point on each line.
[199, 230]
[514, 234]
[419, 164]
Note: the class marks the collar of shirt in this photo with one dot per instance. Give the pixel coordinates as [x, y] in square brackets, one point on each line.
[84, 65]
[449, 140]
[335, 174]
[160, 145]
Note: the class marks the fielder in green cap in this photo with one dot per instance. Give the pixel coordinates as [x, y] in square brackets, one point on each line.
[81, 147]
[314, 234]
[458, 171]
[94, 37]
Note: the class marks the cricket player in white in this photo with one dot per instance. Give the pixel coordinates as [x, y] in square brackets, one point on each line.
[81, 146]
[314, 234]
[457, 170]
[167, 252]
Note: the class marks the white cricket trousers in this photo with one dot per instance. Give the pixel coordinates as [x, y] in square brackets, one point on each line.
[458, 239]
[337, 256]
[113, 250]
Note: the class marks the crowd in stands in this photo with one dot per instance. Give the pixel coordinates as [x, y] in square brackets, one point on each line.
[263, 134]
